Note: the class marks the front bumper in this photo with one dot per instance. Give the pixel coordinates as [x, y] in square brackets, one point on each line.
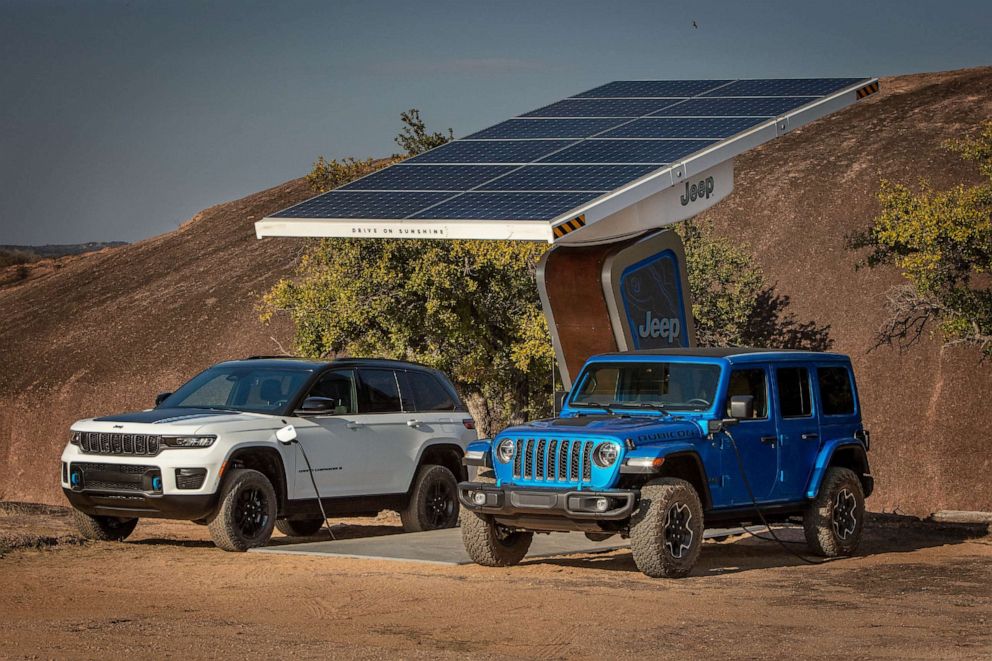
[514, 501]
[126, 489]
[131, 505]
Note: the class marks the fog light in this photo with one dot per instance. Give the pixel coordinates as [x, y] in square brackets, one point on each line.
[602, 504]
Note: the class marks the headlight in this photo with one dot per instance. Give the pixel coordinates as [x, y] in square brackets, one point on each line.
[188, 441]
[75, 437]
[504, 451]
[605, 454]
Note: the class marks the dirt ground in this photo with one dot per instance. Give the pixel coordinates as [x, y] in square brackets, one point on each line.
[918, 591]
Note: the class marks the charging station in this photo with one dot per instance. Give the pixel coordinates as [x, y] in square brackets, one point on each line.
[599, 176]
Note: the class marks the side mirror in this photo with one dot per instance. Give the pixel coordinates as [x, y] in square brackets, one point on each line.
[318, 405]
[161, 397]
[286, 435]
[742, 407]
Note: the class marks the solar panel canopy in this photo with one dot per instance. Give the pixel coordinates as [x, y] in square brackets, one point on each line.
[612, 161]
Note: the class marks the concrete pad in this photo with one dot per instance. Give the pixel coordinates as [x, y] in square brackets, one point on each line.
[444, 547]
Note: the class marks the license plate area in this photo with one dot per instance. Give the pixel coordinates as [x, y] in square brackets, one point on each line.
[533, 500]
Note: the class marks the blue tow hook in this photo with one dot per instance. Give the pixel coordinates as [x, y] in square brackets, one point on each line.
[157, 483]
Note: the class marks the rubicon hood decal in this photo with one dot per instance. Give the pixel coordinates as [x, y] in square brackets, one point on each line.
[164, 416]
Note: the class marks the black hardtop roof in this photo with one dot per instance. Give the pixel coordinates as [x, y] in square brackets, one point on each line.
[728, 352]
[307, 363]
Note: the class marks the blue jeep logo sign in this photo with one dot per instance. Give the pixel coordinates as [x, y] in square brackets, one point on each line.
[651, 292]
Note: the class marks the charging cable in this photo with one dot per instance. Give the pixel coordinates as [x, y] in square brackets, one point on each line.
[761, 515]
[316, 491]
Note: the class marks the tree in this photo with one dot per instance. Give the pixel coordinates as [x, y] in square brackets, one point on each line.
[941, 240]
[733, 304]
[414, 138]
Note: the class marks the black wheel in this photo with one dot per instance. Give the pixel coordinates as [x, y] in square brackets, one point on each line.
[599, 536]
[246, 514]
[299, 527]
[835, 520]
[103, 528]
[433, 501]
[666, 531]
[492, 545]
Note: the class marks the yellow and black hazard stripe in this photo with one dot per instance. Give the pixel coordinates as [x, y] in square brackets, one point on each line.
[569, 226]
[867, 90]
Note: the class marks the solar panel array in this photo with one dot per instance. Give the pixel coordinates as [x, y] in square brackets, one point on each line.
[549, 161]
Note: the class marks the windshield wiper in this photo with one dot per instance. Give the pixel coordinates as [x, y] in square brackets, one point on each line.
[653, 406]
[592, 405]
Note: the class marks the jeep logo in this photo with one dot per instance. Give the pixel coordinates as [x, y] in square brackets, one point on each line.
[667, 328]
[696, 191]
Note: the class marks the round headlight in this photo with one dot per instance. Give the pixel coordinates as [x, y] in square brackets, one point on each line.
[605, 454]
[504, 451]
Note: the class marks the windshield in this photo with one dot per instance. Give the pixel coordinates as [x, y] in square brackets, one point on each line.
[655, 385]
[240, 388]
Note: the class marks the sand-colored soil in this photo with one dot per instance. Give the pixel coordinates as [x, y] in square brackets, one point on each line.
[919, 591]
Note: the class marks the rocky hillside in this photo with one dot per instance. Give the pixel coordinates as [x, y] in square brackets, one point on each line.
[109, 330]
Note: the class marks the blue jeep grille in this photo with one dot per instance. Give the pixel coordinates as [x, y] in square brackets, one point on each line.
[553, 460]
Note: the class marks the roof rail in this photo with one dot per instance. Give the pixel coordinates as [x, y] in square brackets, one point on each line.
[276, 357]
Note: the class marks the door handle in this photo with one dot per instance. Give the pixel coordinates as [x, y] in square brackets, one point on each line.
[769, 440]
[809, 436]
[412, 423]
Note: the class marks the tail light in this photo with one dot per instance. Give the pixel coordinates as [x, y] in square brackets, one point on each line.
[469, 423]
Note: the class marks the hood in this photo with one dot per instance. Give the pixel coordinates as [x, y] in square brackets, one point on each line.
[167, 416]
[640, 429]
[178, 421]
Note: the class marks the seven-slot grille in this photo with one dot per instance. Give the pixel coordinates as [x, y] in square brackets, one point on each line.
[92, 442]
[553, 460]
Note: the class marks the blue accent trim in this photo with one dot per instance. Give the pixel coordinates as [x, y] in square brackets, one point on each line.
[823, 461]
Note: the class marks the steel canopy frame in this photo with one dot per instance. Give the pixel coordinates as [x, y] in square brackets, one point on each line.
[608, 217]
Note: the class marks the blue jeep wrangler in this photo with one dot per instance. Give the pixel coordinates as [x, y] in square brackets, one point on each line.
[655, 445]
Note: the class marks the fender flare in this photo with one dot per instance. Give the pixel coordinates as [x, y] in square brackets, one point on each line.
[672, 450]
[825, 457]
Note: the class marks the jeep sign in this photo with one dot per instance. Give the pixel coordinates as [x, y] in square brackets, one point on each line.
[651, 292]
[703, 188]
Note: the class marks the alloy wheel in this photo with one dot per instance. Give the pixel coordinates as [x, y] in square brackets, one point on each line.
[678, 534]
[844, 517]
[251, 515]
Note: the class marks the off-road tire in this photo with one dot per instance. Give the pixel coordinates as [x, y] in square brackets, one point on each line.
[666, 530]
[246, 513]
[599, 536]
[299, 527]
[103, 528]
[491, 545]
[433, 501]
[835, 520]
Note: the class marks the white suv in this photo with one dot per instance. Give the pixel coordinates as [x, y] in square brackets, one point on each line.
[378, 434]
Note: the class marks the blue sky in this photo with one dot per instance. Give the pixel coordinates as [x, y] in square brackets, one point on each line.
[120, 120]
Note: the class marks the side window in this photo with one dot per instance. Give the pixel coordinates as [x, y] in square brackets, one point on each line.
[380, 392]
[836, 394]
[793, 392]
[338, 385]
[427, 393]
[752, 382]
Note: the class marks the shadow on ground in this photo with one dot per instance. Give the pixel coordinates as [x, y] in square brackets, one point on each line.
[884, 534]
